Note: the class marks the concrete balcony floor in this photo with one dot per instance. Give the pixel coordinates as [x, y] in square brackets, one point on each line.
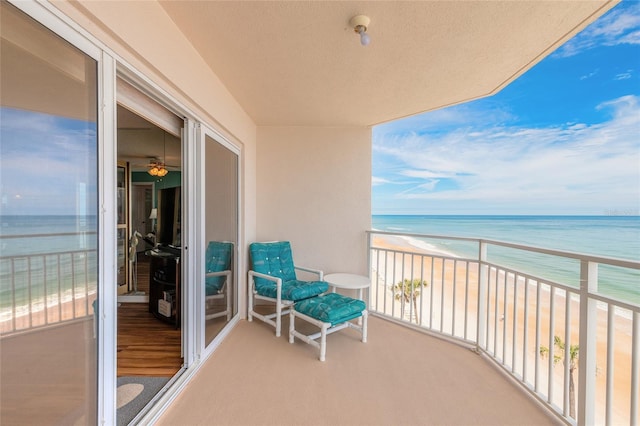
[399, 377]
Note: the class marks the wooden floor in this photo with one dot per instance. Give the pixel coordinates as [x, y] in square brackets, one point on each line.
[147, 346]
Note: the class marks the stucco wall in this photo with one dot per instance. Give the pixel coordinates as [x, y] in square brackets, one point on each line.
[314, 189]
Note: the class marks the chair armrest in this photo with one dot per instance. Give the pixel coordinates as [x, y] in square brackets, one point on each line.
[277, 280]
[219, 274]
[226, 273]
[318, 272]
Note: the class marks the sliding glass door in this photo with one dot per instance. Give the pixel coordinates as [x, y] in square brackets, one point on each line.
[221, 235]
[48, 226]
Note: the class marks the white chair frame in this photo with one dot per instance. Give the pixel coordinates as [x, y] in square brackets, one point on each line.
[223, 293]
[325, 329]
[282, 305]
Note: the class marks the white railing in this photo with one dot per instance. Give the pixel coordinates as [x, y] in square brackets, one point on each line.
[525, 321]
[41, 289]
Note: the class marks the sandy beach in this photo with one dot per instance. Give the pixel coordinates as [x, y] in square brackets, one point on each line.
[56, 311]
[449, 304]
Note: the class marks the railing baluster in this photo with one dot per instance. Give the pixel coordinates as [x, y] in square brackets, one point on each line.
[393, 277]
[13, 294]
[552, 327]
[567, 352]
[376, 287]
[386, 274]
[402, 275]
[483, 307]
[442, 272]
[466, 300]
[514, 339]
[453, 302]
[29, 292]
[496, 316]
[73, 285]
[538, 327]
[46, 295]
[525, 340]
[588, 333]
[432, 285]
[59, 289]
[412, 288]
[504, 319]
[635, 369]
[610, 363]
[422, 289]
[86, 284]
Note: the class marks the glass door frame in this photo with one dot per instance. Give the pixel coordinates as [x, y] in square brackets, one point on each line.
[202, 132]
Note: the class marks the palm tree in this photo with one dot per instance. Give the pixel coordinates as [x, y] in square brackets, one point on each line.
[558, 356]
[407, 291]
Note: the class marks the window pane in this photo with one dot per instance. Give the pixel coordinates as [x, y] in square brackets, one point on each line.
[48, 226]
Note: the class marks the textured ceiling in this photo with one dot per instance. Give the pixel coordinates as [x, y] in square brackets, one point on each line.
[299, 63]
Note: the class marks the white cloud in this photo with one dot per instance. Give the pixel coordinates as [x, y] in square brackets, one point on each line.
[421, 189]
[446, 118]
[378, 181]
[588, 76]
[620, 26]
[623, 76]
[425, 174]
[575, 166]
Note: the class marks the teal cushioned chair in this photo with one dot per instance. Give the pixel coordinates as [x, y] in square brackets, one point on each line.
[273, 278]
[218, 258]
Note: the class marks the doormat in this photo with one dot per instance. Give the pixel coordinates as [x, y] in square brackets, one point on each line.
[134, 393]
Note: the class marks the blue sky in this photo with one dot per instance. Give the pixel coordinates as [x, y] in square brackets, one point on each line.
[48, 164]
[562, 139]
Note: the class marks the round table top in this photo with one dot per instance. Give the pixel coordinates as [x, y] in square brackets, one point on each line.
[347, 281]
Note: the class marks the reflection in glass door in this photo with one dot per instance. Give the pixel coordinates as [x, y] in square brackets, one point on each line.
[48, 229]
[221, 218]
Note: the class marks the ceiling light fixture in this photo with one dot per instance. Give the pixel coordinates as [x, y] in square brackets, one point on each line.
[360, 24]
[158, 168]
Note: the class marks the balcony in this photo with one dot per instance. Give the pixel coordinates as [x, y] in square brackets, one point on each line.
[479, 343]
[460, 339]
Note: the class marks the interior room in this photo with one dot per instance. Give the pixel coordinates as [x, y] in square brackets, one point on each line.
[148, 277]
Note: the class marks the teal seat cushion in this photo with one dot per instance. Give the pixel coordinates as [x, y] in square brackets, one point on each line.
[292, 290]
[333, 308]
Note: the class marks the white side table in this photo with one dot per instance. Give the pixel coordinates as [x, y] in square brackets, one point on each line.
[348, 282]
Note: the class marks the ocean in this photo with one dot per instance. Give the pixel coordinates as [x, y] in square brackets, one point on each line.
[605, 236]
